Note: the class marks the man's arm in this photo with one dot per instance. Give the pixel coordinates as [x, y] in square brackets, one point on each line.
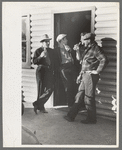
[99, 54]
[37, 57]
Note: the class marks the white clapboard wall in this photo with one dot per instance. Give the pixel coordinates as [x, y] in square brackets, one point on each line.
[105, 28]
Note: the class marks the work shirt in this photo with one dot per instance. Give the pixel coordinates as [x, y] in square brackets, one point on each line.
[93, 58]
[48, 61]
[41, 60]
[66, 56]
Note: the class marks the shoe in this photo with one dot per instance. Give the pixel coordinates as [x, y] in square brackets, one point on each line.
[68, 118]
[88, 121]
[35, 108]
[43, 111]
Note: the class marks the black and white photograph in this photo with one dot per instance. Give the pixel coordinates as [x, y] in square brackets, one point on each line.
[60, 74]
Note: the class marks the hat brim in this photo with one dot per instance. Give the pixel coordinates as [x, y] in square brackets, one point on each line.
[46, 39]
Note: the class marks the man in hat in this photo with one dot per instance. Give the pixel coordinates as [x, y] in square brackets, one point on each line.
[44, 58]
[66, 59]
[93, 63]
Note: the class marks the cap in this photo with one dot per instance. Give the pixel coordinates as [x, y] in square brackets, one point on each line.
[60, 37]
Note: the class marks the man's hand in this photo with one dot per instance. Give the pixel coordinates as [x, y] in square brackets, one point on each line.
[76, 47]
[67, 48]
[43, 54]
[79, 79]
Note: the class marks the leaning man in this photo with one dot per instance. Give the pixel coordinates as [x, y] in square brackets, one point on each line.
[93, 63]
[66, 61]
[44, 58]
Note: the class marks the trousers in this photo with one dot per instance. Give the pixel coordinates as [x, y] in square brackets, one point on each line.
[86, 94]
[45, 86]
[68, 75]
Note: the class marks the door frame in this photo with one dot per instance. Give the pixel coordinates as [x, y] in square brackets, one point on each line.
[56, 11]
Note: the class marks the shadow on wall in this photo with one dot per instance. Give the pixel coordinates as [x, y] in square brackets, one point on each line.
[106, 88]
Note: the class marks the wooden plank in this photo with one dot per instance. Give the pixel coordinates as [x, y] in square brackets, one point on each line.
[28, 71]
[104, 30]
[40, 22]
[30, 99]
[102, 112]
[108, 75]
[29, 88]
[32, 95]
[28, 84]
[103, 99]
[109, 50]
[107, 10]
[40, 28]
[106, 94]
[41, 16]
[40, 33]
[104, 106]
[30, 91]
[100, 37]
[106, 24]
[107, 82]
[31, 77]
[36, 39]
[106, 88]
[36, 44]
[106, 17]
[109, 43]
[29, 80]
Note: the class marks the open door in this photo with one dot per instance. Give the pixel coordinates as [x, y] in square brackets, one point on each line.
[72, 24]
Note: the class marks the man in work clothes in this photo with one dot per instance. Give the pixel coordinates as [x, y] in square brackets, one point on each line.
[66, 59]
[44, 58]
[93, 63]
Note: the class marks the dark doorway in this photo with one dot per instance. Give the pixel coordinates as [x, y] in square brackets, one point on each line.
[71, 24]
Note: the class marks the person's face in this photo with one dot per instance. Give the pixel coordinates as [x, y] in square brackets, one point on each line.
[46, 43]
[64, 40]
[81, 39]
[86, 42]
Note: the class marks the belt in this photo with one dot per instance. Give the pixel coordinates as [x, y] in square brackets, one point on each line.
[88, 72]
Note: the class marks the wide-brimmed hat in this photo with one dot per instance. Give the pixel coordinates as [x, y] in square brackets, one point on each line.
[45, 37]
[89, 36]
[60, 37]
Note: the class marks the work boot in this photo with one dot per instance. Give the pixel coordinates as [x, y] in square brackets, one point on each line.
[44, 110]
[87, 121]
[68, 118]
[35, 108]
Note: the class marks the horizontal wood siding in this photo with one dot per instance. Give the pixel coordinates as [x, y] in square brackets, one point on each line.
[106, 37]
[29, 85]
[40, 24]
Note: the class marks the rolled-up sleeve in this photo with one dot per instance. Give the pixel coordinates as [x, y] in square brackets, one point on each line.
[99, 54]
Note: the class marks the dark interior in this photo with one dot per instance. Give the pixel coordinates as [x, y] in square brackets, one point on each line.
[72, 24]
